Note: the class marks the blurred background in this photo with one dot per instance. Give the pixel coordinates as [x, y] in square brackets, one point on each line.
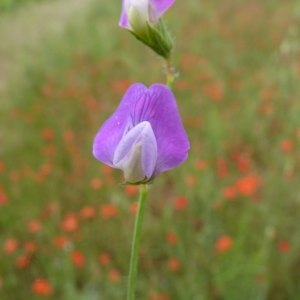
[224, 225]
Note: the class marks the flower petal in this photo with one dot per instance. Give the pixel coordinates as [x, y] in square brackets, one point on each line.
[161, 6]
[136, 154]
[157, 106]
[157, 9]
[171, 138]
[112, 131]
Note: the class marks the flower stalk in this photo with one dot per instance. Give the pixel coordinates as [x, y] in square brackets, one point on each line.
[171, 74]
[133, 266]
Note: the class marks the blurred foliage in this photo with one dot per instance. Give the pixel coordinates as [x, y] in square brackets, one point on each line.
[8, 5]
[224, 225]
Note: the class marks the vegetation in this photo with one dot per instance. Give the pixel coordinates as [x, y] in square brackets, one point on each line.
[224, 225]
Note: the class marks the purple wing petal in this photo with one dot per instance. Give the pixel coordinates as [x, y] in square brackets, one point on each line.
[111, 132]
[161, 6]
[171, 138]
[123, 21]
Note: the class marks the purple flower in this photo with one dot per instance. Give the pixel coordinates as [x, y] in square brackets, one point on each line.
[136, 13]
[144, 136]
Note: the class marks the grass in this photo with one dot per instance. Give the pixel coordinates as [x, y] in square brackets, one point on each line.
[224, 225]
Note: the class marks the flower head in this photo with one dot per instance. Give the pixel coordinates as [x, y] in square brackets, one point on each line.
[136, 13]
[144, 136]
[142, 19]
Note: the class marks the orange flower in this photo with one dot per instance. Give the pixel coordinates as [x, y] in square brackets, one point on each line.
[11, 245]
[131, 190]
[114, 275]
[30, 246]
[95, 183]
[78, 258]
[108, 211]
[87, 212]
[2, 166]
[104, 259]
[3, 197]
[229, 192]
[61, 241]
[171, 238]
[23, 261]
[286, 146]
[34, 226]
[248, 185]
[68, 136]
[242, 161]
[222, 168]
[223, 243]
[174, 264]
[181, 203]
[284, 246]
[214, 91]
[191, 180]
[70, 223]
[201, 164]
[133, 207]
[42, 287]
[48, 134]
[159, 296]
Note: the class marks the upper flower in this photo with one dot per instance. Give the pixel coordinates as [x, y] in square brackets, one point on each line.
[142, 19]
[136, 13]
[144, 136]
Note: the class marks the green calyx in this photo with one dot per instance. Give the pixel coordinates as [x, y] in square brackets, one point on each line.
[156, 37]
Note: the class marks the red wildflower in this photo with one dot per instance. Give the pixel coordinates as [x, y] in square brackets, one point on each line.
[11, 245]
[214, 91]
[174, 264]
[34, 226]
[191, 180]
[171, 238]
[88, 212]
[229, 192]
[104, 259]
[181, 203]
[70, 223]
[242, 161]
[2, 167]
[96, 184]
[114, 275]
[68, 136]
[42, 287]
[30, 246]
[48, 134]
[286, 146]
[3, 197]
[222, 168]
[201, 164]
[108, 211]
[133, 207]
[78, 259]
[22, 261]
[131, 190]
[248, 185]
[223, 243]
[61, 241]
[159, 296]
[284, 246]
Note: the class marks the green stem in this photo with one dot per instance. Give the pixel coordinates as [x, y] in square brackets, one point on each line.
[136, 243]
[170, 73]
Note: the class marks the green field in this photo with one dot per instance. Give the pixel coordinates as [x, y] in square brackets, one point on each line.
[224, 225]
